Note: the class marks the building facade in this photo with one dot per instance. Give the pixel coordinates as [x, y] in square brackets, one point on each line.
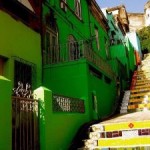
[20, 72]
[140, 20]
[136, 21]
[75, 65]
[78, 56]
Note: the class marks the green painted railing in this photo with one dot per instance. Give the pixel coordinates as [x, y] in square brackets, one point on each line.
[75, 51]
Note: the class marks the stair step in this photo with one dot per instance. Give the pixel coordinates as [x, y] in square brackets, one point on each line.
[140, 87]
[123, 111]
[124, 107]
[140, 106]
[134, 100]
[124, 103]
[140, 90]
[140, 95]
[125, 100]
[123, 142]
[141, 75]
[142, 81]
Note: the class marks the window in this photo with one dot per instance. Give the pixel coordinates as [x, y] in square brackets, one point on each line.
[52, 49]
[74, 52]
[78, 8]
[107, 80]
[24, 78]
[22, 73]
[107, 47]
[51, 41]
[97, 38]
[95, 72]
[63, 5]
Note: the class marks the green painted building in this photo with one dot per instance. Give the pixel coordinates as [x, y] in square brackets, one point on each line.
[65, 47]
[20, 72]
[76, 65]
[118, 57]
[121, 54]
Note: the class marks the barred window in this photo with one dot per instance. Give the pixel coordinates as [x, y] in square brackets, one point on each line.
[23, 73]
[51, 54]
[24, 78]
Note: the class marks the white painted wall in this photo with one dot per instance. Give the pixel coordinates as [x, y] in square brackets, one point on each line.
[134, 39]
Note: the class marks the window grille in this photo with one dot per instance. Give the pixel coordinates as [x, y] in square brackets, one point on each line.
[24, 78]
[67, 104]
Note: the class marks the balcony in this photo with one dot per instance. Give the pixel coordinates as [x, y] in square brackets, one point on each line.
[74, 51]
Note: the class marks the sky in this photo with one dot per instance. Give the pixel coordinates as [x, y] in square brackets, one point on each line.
[134, 6]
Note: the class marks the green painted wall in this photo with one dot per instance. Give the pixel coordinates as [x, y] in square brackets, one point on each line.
[102, 36]
[68, 79]
[20, 41]
[74, 80]
[121, 53]
[105, 95]
[5, 114]
[44, 96]
[132, 59]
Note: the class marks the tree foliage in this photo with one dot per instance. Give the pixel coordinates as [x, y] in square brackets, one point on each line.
[144, 35]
